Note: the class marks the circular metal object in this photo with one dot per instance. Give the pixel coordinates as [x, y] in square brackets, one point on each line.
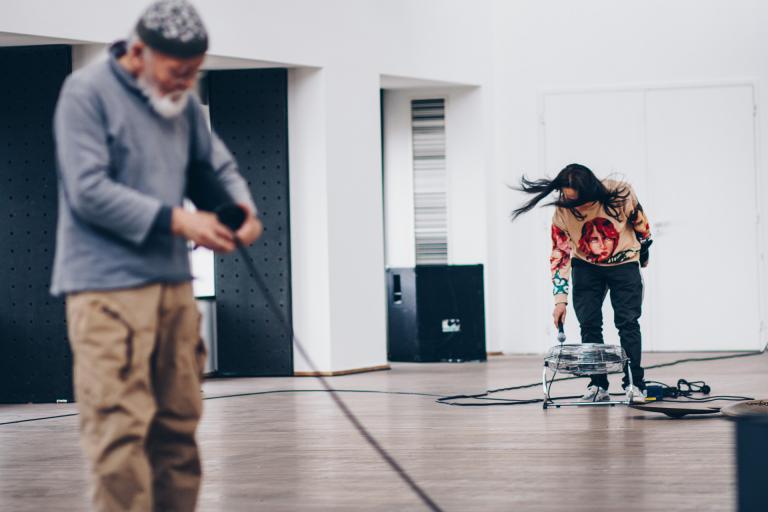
[675, 411]
[586, 358]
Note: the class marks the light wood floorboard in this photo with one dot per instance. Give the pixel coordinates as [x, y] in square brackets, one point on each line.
[295, 451]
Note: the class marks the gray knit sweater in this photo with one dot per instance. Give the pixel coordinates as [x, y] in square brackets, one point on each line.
[121, 169]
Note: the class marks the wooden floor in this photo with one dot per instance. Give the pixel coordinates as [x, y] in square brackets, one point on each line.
[294, 451]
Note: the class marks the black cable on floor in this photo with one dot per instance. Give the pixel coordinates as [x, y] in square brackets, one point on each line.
[38, 419]
[450, 400]
[383, 453]
[253, 393]
[507, 401]
[712, 358]
[548, 389]
[480, 396]
[256, 393]
[715, 398]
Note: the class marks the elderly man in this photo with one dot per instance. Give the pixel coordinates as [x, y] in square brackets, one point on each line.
[127, 131]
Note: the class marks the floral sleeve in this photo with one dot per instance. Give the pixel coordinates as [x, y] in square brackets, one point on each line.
[639, 220]
[560, 263]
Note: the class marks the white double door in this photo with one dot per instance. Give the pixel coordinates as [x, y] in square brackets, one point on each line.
[690, 154]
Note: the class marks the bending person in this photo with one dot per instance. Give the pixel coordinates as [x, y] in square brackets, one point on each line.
[601, 235]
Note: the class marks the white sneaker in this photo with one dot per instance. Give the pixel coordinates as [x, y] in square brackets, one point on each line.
[637, 396]
[596, 394]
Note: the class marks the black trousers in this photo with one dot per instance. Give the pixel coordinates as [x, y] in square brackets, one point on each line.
[591, 283]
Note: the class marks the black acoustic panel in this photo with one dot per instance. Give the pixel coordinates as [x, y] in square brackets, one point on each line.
[249, 111]
[436, 313]
[451, 294]
[35, 360]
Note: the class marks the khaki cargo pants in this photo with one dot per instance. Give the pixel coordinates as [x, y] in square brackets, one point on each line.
[138, 365]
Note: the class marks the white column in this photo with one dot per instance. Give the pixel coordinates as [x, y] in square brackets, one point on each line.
[337, 252]
[309, 216]
[356, 220]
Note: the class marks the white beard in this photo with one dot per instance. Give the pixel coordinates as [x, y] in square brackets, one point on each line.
[167, 106]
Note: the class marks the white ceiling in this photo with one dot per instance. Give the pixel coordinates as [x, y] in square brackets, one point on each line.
[8, 39]
[404, 82]
[220, 62]
[211, 61]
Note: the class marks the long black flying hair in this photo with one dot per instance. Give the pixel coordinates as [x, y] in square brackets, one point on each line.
[581, 179]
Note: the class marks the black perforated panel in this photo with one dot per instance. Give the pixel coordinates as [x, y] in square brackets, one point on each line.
[35, 361]
[249, 111]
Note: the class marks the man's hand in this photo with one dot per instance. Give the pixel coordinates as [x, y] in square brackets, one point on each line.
[202, 228]
[559, 314]
[251, 229]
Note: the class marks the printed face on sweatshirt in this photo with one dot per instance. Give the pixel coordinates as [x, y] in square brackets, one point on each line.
[599, 239]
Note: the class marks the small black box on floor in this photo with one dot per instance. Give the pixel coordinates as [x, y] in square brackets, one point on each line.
[436, 313]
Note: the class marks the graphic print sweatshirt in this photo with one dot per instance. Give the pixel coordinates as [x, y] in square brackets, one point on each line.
[598, 238]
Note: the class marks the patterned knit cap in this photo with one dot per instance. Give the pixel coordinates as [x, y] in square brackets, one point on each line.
[173, 27]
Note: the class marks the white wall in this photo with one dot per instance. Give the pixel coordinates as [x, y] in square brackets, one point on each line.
[467, 162]
[588, 44]
[466, 167]
[309, 216]
[515, 51]
[670, 143]
[400, 228]
[445, 40]
[342, 48]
